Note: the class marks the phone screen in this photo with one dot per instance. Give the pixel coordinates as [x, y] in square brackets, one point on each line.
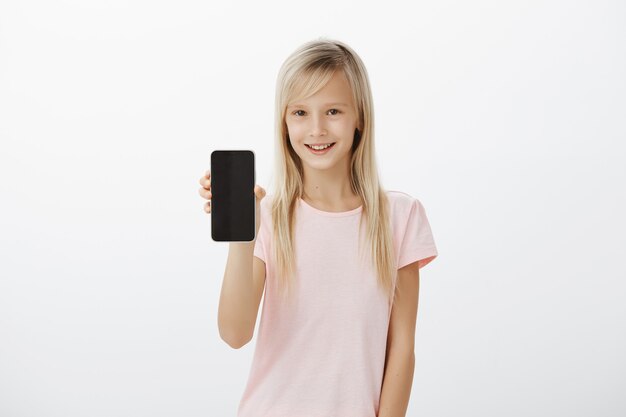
[232, 196]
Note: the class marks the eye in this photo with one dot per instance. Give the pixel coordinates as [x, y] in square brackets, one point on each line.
[333, 114]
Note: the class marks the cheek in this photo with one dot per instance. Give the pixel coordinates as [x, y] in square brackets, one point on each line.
[295, 131]
[294, 136]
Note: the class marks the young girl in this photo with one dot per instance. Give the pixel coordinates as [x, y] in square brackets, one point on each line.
[337, 255]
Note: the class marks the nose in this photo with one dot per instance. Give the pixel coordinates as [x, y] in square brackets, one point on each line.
[317, 126]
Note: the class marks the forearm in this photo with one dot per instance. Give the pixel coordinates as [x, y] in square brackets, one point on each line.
[236, 307]
[397, 382]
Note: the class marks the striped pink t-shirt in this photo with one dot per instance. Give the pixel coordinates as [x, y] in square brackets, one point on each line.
[324, 355]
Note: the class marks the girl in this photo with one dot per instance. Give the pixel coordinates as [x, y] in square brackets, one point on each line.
[337, 255]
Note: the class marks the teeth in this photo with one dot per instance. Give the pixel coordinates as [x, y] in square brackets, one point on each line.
[319, 148]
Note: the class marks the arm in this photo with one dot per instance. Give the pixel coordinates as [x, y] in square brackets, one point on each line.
[400, 358]
[242, 288]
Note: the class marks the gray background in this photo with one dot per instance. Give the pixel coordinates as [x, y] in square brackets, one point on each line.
[505, 119]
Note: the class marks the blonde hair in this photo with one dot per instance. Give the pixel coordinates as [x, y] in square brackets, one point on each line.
[304, 72]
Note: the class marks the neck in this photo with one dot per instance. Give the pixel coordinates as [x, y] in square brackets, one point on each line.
[329, 189]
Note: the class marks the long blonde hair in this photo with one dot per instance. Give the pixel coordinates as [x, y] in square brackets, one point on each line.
[304, 72]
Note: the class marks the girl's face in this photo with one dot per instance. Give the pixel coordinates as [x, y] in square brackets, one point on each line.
[326, 117]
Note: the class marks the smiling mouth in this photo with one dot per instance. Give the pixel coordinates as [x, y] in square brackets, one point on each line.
[328, 147]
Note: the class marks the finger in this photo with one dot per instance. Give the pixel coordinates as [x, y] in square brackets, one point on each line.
[207, 207]
[208, 174]
[205, 193]
[205, 183]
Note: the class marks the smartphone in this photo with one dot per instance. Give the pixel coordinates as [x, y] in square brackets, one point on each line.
[233, 202]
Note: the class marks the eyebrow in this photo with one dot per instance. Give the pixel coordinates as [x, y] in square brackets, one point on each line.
[326, 105]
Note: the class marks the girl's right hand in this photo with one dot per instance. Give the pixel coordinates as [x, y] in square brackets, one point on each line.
[205, 192]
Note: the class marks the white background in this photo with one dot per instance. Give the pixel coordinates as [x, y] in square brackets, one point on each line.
[505, 119]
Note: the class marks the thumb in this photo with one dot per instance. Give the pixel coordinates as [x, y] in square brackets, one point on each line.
[259, 192]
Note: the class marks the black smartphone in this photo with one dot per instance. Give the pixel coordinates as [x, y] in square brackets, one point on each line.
[233, 202]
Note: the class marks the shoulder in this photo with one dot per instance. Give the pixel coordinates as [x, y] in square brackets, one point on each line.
[405, 211]
[401, 203]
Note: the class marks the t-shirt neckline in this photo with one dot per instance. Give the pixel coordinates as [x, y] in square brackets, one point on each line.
[330, 213]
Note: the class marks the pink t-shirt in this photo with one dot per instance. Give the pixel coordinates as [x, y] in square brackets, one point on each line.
[324, 355]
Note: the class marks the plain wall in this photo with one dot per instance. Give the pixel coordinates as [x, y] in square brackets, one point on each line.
[505, 119]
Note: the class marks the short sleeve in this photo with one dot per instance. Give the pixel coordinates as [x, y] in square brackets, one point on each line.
[262, 238]
[417, 242]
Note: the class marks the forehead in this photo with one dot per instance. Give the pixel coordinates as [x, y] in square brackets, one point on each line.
[336, 92]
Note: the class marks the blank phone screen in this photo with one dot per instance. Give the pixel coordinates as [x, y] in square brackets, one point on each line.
[232, 196]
